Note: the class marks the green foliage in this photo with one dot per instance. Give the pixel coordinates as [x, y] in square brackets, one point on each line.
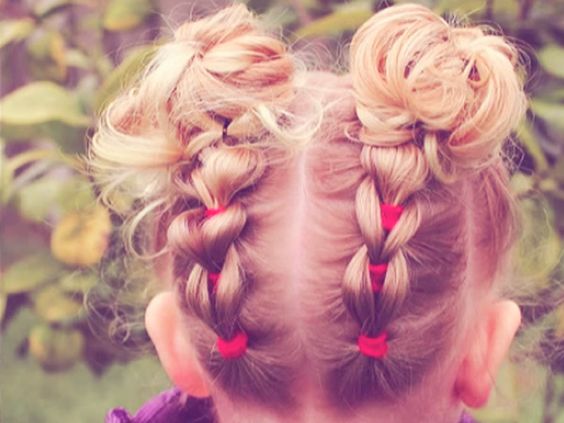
[41, 102]
[30, 273]
[123, 74]
[121, 15]
[551, 58]
[61, 63]
[14, 30]
[343, 18]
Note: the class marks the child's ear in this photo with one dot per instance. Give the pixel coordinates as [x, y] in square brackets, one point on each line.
[175, 351]
[486, 352]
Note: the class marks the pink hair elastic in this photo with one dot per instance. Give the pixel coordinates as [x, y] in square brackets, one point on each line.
[213, 279]
[390, 215]
[234, 347]
[373, 347]
[377, 276]
[213, 211]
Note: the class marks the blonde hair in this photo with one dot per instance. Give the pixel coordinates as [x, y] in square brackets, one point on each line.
[434, 104]
[195, 133]
[211, 125]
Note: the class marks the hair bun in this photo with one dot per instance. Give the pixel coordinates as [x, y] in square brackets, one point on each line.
[222, 78]
[414, 75]
[236, 64]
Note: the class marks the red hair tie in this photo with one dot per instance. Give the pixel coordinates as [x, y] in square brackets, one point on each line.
[213, 279]
[390, 215]
[373, 347]
[213, 211]
[377, 276]
[233, 348]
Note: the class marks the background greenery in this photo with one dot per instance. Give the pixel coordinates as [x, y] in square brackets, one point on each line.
[62, 60]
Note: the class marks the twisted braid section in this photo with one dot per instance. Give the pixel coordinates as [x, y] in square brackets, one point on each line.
[210, 243]
[392, 177]
[244, 85]
[188, 143]
[434, 103]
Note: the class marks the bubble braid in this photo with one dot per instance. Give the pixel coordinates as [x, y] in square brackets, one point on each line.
[434, 105]
[188, 142]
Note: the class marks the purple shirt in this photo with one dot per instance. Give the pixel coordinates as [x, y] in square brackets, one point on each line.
[173, 407]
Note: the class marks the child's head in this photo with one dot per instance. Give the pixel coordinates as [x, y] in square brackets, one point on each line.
[351, 259]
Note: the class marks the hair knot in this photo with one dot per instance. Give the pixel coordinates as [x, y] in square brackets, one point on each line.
[233, 348]
[374, 347]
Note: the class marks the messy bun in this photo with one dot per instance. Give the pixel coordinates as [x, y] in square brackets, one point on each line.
[456, 92]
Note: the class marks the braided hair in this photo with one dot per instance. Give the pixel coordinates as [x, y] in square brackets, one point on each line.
[434, 105]
[191, 142]
[401, 186]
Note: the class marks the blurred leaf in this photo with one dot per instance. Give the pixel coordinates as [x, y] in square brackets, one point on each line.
[521, 184]
[552, 113]
[41, 102]
[529, 141]
[6, 176]
[37, 199]
[551, 58]
[121, 15]
[3, 302]
[81, 238]
[260, 6]
[550, 186]
[507, 7]
[44, 109]
[56, 349]
[15, 30]
[30, 273]
[123, 74]
[54, 305]
[69, 138]
[279, 16]
[46, 7]
[555, 95]
[47, 49]
[53, 194]
[345, 18]
[78, 282]
[78, 59]
[457, 7]
[475, 8]
[76, 194]
[540, 250]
